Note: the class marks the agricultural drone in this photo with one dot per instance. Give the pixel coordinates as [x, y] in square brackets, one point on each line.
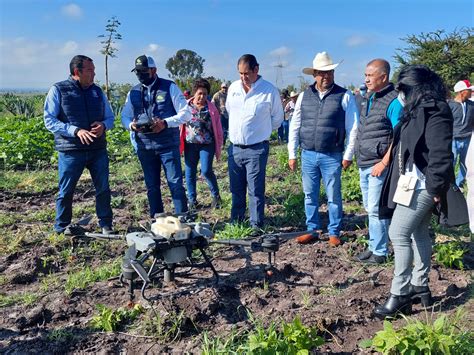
[169, 244]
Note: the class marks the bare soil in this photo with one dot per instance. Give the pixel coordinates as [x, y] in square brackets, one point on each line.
[324, 286]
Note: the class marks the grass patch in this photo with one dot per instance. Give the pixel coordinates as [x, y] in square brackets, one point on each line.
[28, 180]
[235, 231]
[83, 278]
[22, 298]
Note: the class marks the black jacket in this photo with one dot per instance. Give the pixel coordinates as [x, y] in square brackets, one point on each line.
[426, 141]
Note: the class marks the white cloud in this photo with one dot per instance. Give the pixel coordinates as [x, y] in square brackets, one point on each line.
[72, 10]
[280, 51]
[69, 48]
[153, 47]
[356, 40]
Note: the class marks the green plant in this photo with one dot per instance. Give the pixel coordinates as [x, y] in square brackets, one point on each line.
[445, 335]
[451, 254]
[351, 184]
[22, 298]
[235, 231]
[221, 345]
[110, 320]
[83, 278]
[294, 208]
[288, 338]
[60, 335]
[164, 328]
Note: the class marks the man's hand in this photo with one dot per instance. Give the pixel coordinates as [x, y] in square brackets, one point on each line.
[85, 136]
[378, 169]
[293, 164]
[346, 163]
[436, 199]
[97, 128]
[158, 125]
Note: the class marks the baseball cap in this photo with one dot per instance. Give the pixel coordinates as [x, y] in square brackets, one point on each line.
[463, 85]
[144, 62]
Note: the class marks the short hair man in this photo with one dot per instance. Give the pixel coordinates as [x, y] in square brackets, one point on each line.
[77, 112]
[463, 113]
[219, 99]
[255, 110]
[325, 115]
[379, 113]
[153, 111]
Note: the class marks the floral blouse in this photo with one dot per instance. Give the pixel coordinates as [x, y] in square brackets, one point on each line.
[199, 128]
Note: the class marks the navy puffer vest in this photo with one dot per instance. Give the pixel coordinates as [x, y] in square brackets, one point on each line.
[323, 120]
[163, 108]
[79, 107]
[375, 131]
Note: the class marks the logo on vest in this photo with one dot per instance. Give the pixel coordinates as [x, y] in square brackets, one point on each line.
[160, 98]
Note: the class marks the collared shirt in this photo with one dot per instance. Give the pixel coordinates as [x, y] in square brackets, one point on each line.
[52, 107]
[253, 115]
[352, 117]
[183, 113]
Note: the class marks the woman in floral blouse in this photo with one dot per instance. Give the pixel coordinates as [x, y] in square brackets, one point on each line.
[201, 139]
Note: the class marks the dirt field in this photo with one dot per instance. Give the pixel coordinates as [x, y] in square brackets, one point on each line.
[325, 287]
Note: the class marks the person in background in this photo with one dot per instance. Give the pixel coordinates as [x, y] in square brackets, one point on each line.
[463, 113]
[325, 116]
[219, 100]
[201, 140]
[78, 113]
[380, 113]
[422, 150]
[160, 104]
[255, 110]
[187, 94]
[283, 129]
[360, 95]
[290, 108]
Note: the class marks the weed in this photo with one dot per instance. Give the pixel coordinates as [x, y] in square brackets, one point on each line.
[22, 298]
[450, 254]
[164, 328]
[220, 345]
[351, 184]
[306, 299]
[445, 335]
[83, 278]
[110, 320]
[363, 241]
[3, 280]
[49, 282]
[235, 231]
[60, 335]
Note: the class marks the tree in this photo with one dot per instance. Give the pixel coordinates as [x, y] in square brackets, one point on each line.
[449, 54]
[185, 65]
[108, 49]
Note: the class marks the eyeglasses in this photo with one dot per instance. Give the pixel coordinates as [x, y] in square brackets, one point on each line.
[323, 73]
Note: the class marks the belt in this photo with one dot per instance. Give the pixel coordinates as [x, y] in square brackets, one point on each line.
[248, 146]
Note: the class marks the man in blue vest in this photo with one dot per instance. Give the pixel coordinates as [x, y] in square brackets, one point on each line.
[325, 115]
[153, 111]
[77, 112]
[379, 114]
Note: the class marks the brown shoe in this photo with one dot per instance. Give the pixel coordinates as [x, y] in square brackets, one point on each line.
[334, 241]
[307, 238]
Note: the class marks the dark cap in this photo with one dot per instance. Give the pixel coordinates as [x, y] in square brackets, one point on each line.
[144, 62]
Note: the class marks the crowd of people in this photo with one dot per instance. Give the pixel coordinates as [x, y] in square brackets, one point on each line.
[406, 132]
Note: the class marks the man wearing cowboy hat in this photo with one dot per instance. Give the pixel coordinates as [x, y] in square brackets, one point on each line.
[325, 115]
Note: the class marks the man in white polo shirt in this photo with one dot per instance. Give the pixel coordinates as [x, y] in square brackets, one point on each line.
[255, 110]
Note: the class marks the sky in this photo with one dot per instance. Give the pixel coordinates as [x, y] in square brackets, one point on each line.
[38, 38]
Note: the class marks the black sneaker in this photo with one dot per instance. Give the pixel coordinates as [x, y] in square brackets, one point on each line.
[364, 255]
[107, 230]
[74, 230]
[375, 259]
[216, 202]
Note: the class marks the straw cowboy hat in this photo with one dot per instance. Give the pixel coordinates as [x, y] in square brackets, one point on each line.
[293, 94]
[322, 62]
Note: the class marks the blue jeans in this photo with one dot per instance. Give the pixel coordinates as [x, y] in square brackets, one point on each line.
[459, 148]
[247, 168]
[371, 187]
[71, 164]
[412, 244]
[283, 131]
[192, 154]
[151, 161]
[315, 165]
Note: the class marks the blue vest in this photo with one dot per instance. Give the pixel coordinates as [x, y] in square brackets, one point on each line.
[79, 107]
[163, 108]
[323, 120]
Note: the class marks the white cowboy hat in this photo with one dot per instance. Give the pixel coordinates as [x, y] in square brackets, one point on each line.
[293, 94]
[323, 62]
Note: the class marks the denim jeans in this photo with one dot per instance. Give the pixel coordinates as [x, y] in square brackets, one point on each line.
[192, 154]
[247, 168]
[315, 165]
[71, 164]
[412, 244]
[151, 161]
[459, 148]
[283, 131]
[371, 187]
